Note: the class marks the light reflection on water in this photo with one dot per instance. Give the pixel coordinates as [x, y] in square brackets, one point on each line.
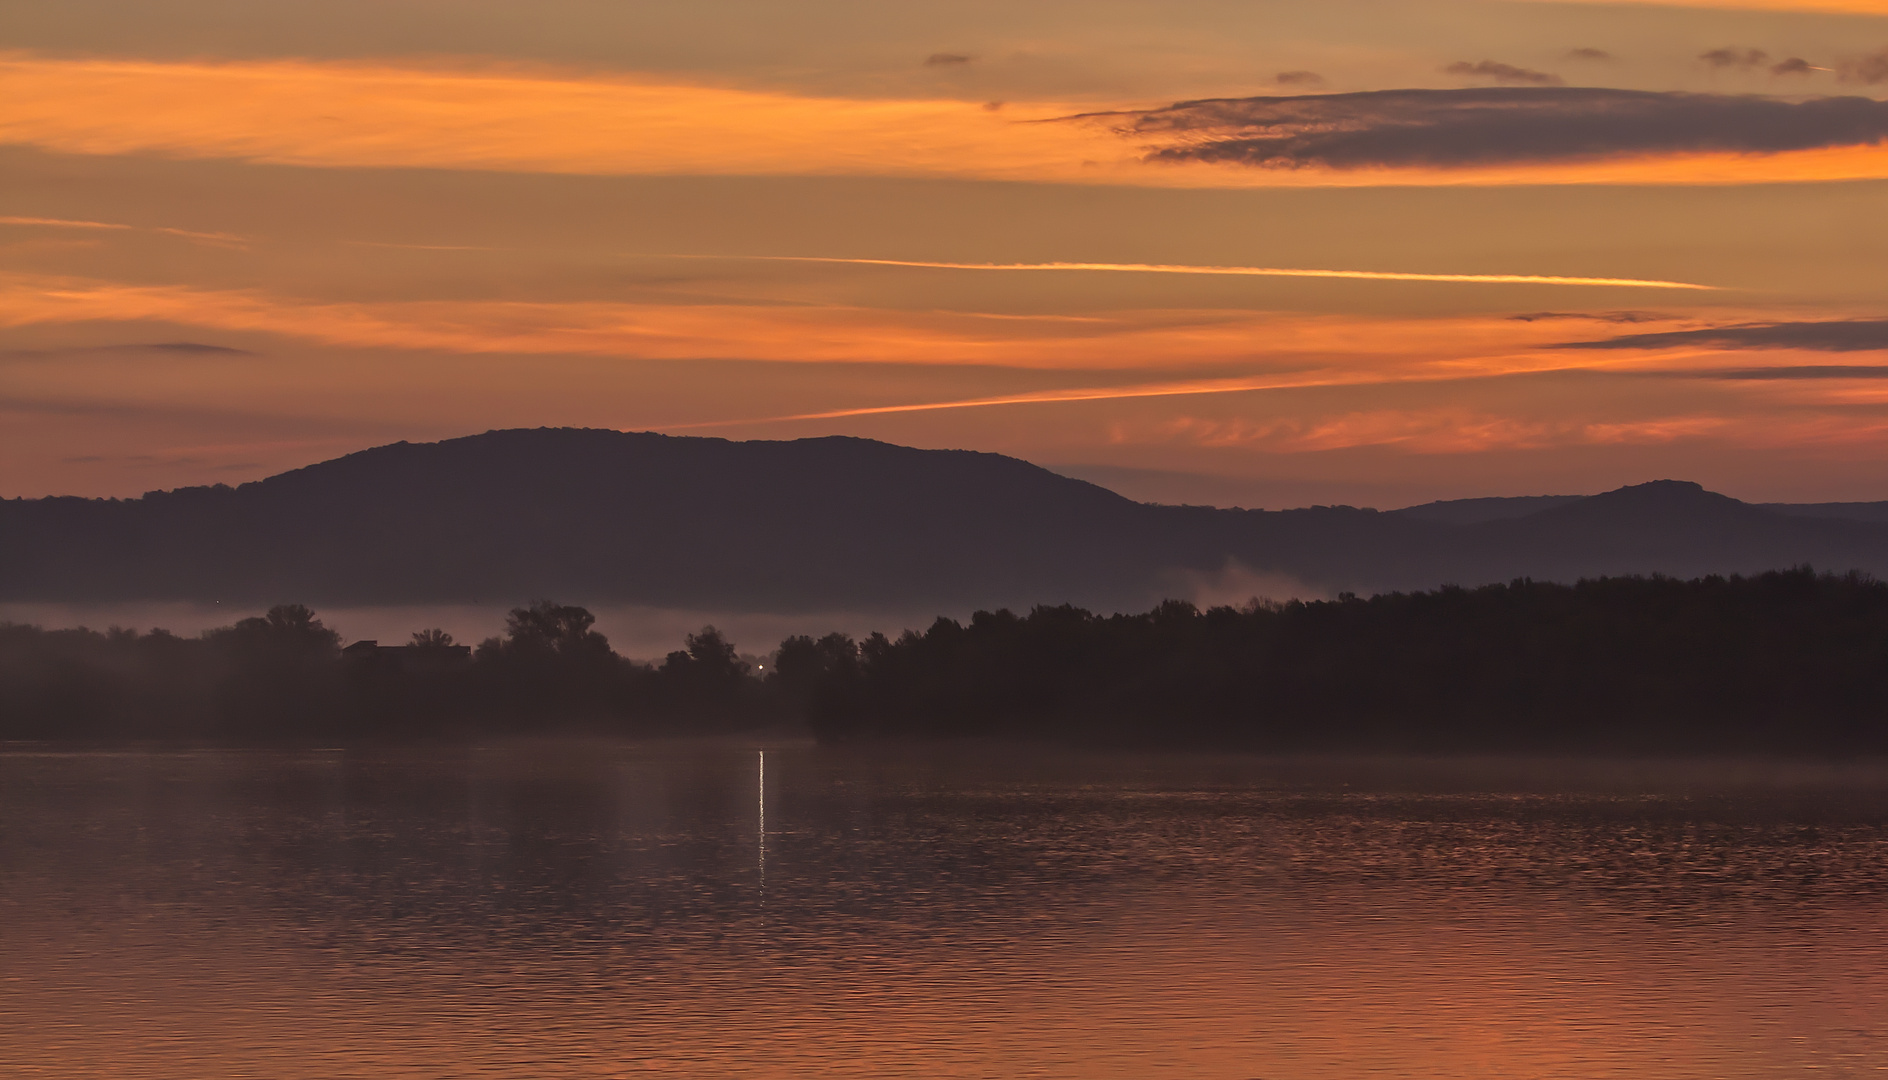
[615, 910]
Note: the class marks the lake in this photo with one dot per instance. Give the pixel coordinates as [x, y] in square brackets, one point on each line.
[618, 909]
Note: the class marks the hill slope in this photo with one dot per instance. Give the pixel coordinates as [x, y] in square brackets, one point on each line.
[601, 516]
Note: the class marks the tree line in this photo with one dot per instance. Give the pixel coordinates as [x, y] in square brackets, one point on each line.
[283, 676]
[1788, 661]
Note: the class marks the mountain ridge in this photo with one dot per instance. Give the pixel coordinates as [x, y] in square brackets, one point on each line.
[594, 515]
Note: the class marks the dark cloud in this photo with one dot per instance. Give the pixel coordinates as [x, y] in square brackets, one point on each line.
[1591, 316]
[946, 59]
[1870, 69]
[1588, 54]
[1298, 78]
[1492, 125]
[187, 347]
[1733, 57]
[1502, 73]
[1805, 371]
[1795, 65]
[1836, 335]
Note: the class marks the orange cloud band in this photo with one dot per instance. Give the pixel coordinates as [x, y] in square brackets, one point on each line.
[1146, 340]
[371, 116]
[1467, 429]
[354, 115]
[1163, 353]
[1460, 429]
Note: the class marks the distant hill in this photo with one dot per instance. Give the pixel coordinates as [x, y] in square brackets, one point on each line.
[1476, 511]
[1854, 511]
[593, 516]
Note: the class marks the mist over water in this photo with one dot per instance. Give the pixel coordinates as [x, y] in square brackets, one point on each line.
[610, 909]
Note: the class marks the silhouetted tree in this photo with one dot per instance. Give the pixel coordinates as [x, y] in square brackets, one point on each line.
[552, 667]
[550, 628]
[705, 685]
[281, 679]
[286, 630]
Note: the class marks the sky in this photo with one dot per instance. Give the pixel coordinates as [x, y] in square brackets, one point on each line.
[1262, 253]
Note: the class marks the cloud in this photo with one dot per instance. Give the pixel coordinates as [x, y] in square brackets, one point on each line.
[1506, 74]
[355, 115]
[1298, 78]
[1201, 349]
[1588, 53]
[1733, 57]
[1188, 388]
[1871, 69]
[190, 347]
[1150, 339]
[225, 239]
[181, 348]
[1836, 335]
[1593, 316]
[1801, 371]
[1795, 65]
[1495, 126]
[375, 116]
[1458, 429]
[945, 59]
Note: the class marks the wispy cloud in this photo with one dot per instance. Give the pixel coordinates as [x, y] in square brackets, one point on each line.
[1834, 335]
[1871, 70]
[1591, 316]
[1145, 340]
[1506, 74]
[1795, 65]
[1242, 271]
[1189, 388]
[1492, 126]
[359, 115]
[1790, 373]
[1734, 57]
[1156, 343]
[174, 348]
[419, 247]
[1449, 430]
[224, 239]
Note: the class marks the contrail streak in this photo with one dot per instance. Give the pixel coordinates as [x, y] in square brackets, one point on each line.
[1244, 271]
[1178, 389]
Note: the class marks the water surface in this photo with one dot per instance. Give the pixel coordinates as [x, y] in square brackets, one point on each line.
[608, 910]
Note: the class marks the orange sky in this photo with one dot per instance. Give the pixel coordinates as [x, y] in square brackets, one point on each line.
[232, 245]
[358, 116]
